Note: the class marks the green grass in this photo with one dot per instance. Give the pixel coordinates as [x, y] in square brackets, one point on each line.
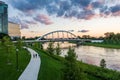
[97, 73]
[104, 45]
[51, 69]
[8, 71]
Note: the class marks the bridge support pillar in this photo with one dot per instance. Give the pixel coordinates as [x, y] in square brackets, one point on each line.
[52, 36]
[67, 35]
[71, 36]
[63, 35]
[58, 35]
[46, 37]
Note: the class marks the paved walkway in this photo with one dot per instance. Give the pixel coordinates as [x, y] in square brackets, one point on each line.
[32, 70]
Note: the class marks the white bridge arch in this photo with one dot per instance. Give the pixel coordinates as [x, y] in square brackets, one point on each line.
[69, 35]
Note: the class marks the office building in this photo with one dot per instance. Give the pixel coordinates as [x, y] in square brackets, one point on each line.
[14, 30]
[3, 18]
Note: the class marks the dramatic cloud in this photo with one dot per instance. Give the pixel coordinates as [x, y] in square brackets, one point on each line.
[30, 22]
[80, 9]
[97, 4]
[85, 14]
[83, 31]
[81, 2]
[115, 8]
[43, 19]
[24, 24]
[14, 19]
[27, 5]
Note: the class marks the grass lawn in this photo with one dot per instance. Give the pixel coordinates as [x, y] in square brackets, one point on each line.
[103, 45]
[51, 69]
[8, 71]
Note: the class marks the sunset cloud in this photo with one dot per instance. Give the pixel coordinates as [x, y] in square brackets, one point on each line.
[43, 19]
[64, 8]
[83, 31]
[24, 24]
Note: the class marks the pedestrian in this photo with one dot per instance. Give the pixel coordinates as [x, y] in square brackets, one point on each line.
[36, 55]
[33, 55]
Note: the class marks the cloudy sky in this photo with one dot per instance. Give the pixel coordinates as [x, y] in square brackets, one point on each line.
[92, 17]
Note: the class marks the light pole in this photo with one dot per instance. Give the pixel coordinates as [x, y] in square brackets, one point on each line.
[17, 58]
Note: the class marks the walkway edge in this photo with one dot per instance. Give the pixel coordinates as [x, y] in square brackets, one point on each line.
[32, 70]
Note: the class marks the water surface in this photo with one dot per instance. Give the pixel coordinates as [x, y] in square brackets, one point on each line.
[93, 55]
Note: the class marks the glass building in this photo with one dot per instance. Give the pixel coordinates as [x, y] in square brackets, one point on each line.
[3, 18]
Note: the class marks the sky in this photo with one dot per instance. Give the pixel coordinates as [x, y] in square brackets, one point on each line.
[83, 17]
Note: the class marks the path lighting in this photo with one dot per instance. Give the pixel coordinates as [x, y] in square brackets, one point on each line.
[17, 58]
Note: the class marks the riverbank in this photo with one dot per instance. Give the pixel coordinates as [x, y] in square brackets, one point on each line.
[103, 45]
[52, 66]
[8, 71]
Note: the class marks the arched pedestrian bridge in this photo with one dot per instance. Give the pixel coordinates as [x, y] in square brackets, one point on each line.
[59, 35]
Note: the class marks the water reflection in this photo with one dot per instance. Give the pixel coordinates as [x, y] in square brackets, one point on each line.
[93, 55]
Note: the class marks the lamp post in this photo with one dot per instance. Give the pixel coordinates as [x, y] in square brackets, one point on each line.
[17, 58]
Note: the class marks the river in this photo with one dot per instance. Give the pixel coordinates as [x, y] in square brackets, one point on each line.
[93, 55]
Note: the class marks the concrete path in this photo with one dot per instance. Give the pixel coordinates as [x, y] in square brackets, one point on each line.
[32, 70]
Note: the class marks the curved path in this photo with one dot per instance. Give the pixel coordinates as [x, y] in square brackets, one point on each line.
[32, 70]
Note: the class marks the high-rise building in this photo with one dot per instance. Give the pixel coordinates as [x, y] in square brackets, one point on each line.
[3, 18]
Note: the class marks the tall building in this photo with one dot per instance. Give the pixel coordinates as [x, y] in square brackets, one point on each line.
[14, 30]
[3, 18]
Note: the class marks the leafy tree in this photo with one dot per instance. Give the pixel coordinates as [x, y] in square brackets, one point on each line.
[23, 37]
[2, 35]
[8, 46]
[41, 46]
[103, 63]
[38, 45]
[86, 36]
[112, 38]
[50, 48]
[19, 44]
[72, 71]
[78, 37]
[57, 49]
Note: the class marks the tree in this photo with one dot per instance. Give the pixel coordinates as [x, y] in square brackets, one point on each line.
[72, 71]
[103, 63]
[19, 44]
[78, 37]
[2, 35]
[9, 47]
[50, 48]
[41, 46]
[38, 45]
[86, 37]
[112, 38]
[57, 49]
[23, 37]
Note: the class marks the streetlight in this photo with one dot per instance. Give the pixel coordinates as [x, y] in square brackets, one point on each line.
[17, 58]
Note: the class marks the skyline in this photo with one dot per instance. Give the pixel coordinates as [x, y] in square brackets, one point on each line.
[84, 17]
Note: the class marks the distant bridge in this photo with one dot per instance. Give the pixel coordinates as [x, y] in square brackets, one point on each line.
[58, 36]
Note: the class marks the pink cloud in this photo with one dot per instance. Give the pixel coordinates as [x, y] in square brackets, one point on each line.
[89, 7]
[116, 13]
[43, 19]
